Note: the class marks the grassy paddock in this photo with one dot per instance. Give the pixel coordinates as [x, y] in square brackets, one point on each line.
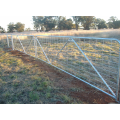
[104, 55]
[107, 33]
[25, 83]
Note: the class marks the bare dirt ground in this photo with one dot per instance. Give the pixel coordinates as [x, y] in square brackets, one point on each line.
[66, 83]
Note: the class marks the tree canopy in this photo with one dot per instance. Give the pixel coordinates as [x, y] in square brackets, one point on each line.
[114, 22]
[47, 23]
[101, 24]
[19, 27]
[65, 24]
[11, 27]
[61, 23]
[2, 30]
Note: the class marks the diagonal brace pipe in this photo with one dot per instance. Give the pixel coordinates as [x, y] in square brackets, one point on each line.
[21, 44]
[94, 68]
[42, 50]
[62, 48]
[30, 43]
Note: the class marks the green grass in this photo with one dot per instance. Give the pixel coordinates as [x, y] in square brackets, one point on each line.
[66, 99]
[6, 95]
[33, 96]
[13, 76]
[16, 83]
[48, 95]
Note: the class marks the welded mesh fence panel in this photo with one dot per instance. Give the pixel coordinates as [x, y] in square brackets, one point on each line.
[24, 44]
[93, 60]
[3, 40]
[102, 53]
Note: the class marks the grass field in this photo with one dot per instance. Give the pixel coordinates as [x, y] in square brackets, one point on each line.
[27, 83]
[104, 33]
[103, 54]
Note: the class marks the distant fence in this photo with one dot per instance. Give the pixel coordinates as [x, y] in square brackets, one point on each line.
[95, 61]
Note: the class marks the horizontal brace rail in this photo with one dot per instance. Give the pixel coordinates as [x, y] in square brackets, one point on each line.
[94, 38]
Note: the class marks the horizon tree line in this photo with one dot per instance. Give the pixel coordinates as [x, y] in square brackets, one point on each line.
[47, 23]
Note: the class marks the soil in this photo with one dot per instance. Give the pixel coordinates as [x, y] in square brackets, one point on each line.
[86, 93]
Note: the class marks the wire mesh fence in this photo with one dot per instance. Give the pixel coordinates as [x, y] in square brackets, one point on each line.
[92, 60]
[3, 40]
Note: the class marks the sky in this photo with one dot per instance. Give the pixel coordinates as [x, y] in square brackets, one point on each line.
[23, 12]
[27, 20]
[5, 20]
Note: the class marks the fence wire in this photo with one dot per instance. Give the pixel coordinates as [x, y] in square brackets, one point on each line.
[64, 53]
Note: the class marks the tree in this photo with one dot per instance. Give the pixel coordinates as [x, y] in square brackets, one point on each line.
[77, 21]
[27, 29]
[60, 22]
[73, 26]
[114, 22]
[19, 27]
[102, 24]
[112, 19]
[69, 24]
[110, 25]
[95, 22]
[49, 22]
[65, 24]
[2, 30]
[86, 21]
[11, 27]
[38, 22]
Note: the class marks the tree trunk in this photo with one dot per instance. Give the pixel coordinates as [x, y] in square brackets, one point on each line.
[86, 27]
[76, 26]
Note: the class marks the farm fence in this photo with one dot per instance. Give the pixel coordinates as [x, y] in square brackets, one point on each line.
[95, 61]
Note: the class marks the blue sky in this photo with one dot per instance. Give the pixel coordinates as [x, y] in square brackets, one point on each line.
[27, 20]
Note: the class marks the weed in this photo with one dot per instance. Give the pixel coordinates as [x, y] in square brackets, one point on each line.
[48, 95]
[33, 96]
[3, 78]
[45, 84]
[39, 88]
[13, 99]
[34, 87]
[23, 71]
[35, 77]
[16, 83]
[6, 95]
[39, 102]
[13, 76]
[19, 62]
[66, 98]
[1, 81]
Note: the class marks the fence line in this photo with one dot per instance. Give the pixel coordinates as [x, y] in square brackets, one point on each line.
[95, 61]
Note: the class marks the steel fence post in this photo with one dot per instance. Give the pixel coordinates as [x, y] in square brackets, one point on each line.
[118, 80]
[35, 46]
[7, 41]
[12, 43]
